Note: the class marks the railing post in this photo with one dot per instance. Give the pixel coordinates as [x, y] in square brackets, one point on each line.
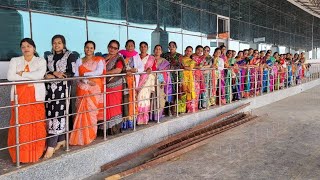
[261, 70]
[230, 85]
[255, 82]
[17, 126]
[157, 96]
[177, 93]
[67, 116]
[219, 87]
[287, 76]
[268, 81]
[134, 103]
[104, 108]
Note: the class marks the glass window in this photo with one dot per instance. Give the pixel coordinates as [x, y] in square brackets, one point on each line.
[142, 13]
[70, 7]
[17, 27]
[44, 27]
[139, 35]
[189, 40]
[15, 3]
[170, 16]
[97, 33]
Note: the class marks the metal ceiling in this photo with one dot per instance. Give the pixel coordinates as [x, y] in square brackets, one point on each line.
[310, 6]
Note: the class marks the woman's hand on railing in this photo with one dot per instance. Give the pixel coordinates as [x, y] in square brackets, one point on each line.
[91, 83]
[49, 76]
[59, 75]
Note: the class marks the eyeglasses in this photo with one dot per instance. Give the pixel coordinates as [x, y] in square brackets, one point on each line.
[112, 47]
[207, 50]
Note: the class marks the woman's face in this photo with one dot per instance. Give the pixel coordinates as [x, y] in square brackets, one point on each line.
[130, 46]
[223, 50]
[113, 49]
[57, 45]
[240, 54]
[27, 49]
[206, 51]
[158, 51]
[217, 53]
[89, 49]
[229, 54]
[172, 47]
[245, 54]
[188, 52]
[143, 48]
[199, 51]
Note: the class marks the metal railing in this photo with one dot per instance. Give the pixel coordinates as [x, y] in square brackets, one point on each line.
[218, 87]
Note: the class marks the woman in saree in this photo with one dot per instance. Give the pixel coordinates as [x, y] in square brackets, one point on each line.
[133, 64]
[208, 76]
[162, 90]
[199, 83]
[269, 73]
[303, 65]
[218, 64]
[28, 67]
[235, 87]
[242, 64]
[173, 57]
[254, 67]
[146, 84]
[188, 99]
[89, 96]
[114, 64]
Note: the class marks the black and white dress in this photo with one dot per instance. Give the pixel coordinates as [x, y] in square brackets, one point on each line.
[56, 109]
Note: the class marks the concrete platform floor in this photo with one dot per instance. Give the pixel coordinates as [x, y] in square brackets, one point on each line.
[283, 144]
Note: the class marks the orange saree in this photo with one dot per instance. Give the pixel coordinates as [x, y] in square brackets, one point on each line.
[30, 152]
[85, 122]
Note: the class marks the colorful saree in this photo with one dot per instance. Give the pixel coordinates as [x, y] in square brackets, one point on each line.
[144, 90]
[199, 83]
[162, 90]
[85, 122]
[188, 84]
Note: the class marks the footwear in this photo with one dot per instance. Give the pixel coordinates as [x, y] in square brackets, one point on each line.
[49, 153]
[130, 124]
[61, 143]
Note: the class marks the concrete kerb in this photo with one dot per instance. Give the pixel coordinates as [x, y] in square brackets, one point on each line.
[85, 162]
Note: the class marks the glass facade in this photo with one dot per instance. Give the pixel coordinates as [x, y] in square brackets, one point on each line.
[187, 22]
